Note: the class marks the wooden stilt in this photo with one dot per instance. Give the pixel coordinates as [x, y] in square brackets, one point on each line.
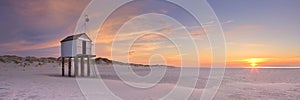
[76, 66]
[88, 67]
[70, 60]
[63, 66]
[82, 66]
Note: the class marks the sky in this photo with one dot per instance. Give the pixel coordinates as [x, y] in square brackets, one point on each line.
[257, 32]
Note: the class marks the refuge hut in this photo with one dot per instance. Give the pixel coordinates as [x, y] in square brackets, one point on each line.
[78, 48]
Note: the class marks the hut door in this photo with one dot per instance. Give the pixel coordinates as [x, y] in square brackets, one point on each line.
[83, 47]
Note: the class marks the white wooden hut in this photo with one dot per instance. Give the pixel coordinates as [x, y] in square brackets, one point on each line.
[75, 47]
[79, 44]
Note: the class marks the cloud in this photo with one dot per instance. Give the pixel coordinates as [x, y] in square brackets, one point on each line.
[146, 46]
[25, 45]
[228, 21]
[208, 24]
[56, 10]
[34, 25]
[43, 52]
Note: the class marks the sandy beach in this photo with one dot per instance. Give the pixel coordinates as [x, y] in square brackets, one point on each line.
[46, 82]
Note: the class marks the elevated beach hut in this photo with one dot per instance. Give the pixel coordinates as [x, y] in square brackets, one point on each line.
[79, 48]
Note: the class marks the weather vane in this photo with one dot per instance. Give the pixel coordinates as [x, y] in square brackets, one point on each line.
[87, 18]
[85, 23]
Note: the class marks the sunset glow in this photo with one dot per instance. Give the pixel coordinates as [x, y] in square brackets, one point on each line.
[254, 61]
[250, 42]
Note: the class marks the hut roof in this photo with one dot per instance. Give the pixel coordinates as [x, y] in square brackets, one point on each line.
[74, 37]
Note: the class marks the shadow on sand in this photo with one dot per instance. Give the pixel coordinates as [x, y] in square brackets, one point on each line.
[58, 75]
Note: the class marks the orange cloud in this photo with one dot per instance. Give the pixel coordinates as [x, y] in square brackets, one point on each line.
[25, 45]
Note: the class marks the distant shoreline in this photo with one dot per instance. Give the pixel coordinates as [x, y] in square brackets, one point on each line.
[99, 60]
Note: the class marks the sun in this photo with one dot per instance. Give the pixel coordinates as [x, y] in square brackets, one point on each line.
[253, 62]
